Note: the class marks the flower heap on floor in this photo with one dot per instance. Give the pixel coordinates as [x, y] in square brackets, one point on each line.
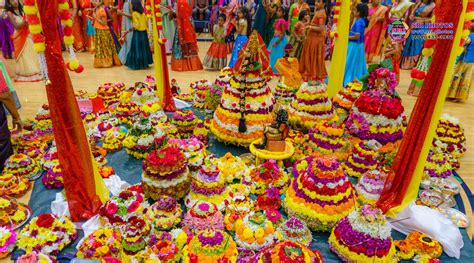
[201, 89]
[209, 209]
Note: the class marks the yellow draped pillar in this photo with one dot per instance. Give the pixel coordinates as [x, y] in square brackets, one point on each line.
[338, 62]
[155, 8]
[412, 191]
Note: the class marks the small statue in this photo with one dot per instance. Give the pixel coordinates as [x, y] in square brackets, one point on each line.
[274, 135]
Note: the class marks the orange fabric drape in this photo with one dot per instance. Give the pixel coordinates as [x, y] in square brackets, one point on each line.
[19, 40]
[406, 160]
[71, 140]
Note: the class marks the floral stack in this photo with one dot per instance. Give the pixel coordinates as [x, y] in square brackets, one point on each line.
[185, 121]
[254, 231]
[311, 106]
[43, 125]
[345, 98]
[378, 113]
[109, 93]
[53, 179]
[126, 111]
[202, 216]
[101, 244]
[363, 236]
[371, 184]
[164, 214]
[118, 209]
[240, 205]
[208, 185]
[449, 138]
[201, 89]
[193, 149]
[327, 138]
[210, 246]
[362, 159]
[287, 252]
[438, 164]
[321, 195]
[22, 165]
[246, 107]
[47, 234]
[135, 235]
[143, 138]
[294, 230]
[165, 172]
[12, 213]
[231, 167]
[14, 186]
[265, 176]
[7, 241]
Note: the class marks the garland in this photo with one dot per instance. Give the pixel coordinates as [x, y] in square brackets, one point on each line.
[159, 22]
[36, 29]
[337, 10]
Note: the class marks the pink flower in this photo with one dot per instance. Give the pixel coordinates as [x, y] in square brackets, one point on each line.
[133, 206]
[203, 207]
[273, 215]
[111, 208]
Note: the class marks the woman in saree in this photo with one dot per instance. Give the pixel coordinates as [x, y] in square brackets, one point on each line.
[168, 25]
[185, 50]
[312, 58]
[375, 31]
[6, 31]
[230, 12]
[127, 33]
[393, 48]
[294, 13]
[77, 27]
[27, 68]
[421, 14]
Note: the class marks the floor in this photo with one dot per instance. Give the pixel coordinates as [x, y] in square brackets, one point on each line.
[33, 95]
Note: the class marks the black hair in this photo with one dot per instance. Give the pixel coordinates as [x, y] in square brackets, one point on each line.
[223, 16]
[302, 15]
[284, 11]
[137, 6]
[363, 10]
[9, 7]
[247, 17]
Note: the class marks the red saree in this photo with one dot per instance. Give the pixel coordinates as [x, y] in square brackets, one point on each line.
[375, 31]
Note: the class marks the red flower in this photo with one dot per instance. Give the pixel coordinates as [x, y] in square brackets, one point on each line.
[268, 166]
[126, 194]
[45, 220]
[67, 30]
[32, 19]
[193, 258]
[133, 207]
[65, 15]
[29, 2]
[111, 208]
[37, 38]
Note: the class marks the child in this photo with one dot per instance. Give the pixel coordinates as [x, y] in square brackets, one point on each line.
[106, 55]
[139, 56]
[312, 57]
[279, 40]
[299, 34]
[243, 29]
[290, 77]
[216, 57]
[356, 66]
[461, 83]
[90, 30]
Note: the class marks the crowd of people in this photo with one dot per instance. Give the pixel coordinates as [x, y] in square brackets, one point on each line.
[117, 32]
